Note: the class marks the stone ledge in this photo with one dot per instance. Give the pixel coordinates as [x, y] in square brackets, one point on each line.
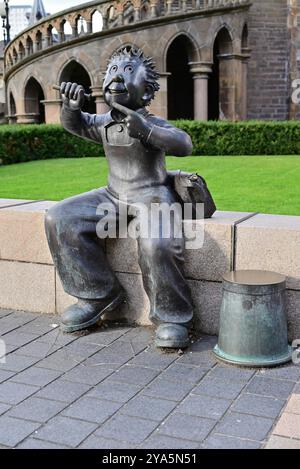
[209, 262]
[22, 233]
[27, 287]
[269, 242]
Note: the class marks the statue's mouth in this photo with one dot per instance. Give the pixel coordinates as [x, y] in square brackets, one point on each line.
[117, 88]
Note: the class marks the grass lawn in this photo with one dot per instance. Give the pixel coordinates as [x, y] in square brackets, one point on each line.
[267, 184]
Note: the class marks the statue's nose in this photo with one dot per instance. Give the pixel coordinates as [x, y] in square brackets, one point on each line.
[118, 79]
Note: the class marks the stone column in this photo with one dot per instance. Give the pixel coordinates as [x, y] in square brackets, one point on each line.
[101, 106]
[159, 106]
[153, 11]
[245, 60]
[201, 72]
[233, 94]
[137, 14]
[28, 118]
[52, 110]
[169, 7]
[74, 30]
[89, 27]
[35, 46]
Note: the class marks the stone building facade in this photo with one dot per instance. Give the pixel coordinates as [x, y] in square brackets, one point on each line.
[217, 59]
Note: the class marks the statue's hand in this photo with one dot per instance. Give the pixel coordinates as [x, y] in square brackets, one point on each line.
[72, 95]
[137, 125]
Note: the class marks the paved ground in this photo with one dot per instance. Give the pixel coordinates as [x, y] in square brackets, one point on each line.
[112, 389]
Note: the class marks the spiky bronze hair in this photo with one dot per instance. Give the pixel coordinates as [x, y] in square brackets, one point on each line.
[138, 55]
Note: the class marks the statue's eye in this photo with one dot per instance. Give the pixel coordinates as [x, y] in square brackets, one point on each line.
[128, 68]
[114, 69]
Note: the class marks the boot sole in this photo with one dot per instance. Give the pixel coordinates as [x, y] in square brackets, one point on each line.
[109, 308]
[171, 343]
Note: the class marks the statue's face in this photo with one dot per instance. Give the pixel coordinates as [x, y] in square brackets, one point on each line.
[125, 83]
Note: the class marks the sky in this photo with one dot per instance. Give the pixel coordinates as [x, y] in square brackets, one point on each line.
[51, 6]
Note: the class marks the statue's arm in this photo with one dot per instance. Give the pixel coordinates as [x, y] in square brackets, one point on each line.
[172, 140]
[82, 124]
[79, 123]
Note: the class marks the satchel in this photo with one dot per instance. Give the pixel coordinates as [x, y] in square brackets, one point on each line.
[192, 189]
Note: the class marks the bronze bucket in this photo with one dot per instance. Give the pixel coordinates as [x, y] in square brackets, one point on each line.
[253, 324]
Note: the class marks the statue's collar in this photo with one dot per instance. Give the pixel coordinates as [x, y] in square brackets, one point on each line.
[112, 115]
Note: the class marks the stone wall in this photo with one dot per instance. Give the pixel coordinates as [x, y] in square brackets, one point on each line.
[294, 32]
[268, 69]
[29, 282]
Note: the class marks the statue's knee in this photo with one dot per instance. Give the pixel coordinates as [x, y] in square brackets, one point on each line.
[156, 249]
[54, 216]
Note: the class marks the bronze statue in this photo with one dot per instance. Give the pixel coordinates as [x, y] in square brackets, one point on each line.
[135, 143]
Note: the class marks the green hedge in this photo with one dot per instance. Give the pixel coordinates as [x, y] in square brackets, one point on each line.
[19, 143]
[244, 138]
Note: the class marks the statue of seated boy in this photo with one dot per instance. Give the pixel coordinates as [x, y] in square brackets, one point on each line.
[135, 143]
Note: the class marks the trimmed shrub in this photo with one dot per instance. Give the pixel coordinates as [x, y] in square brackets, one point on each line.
[19, 143]
[244, 137]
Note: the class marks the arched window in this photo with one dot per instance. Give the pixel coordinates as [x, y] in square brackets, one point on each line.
[15, 56]
[218, 91]
[180, 80]
[33, 96]
[29, 45]
[245, 38]
[97, 21]
[145, 11]
[21, 51]
[128, 13]
[76, 73]
[81, 25]
[12, 105]
[39, 40]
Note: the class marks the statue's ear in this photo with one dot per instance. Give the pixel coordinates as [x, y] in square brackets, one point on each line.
[149, 93]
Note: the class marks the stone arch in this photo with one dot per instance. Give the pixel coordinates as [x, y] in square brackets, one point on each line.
[145, 11]
[10, 60]
[29, 45]
[193, 49]
[39, 40]
[128, 12]
[180, 51]
[245, 38]
[15, 55]
[220, 79]
[66, 29]
[75, 72]
[52, 35]
[227, 32]
[12, 105]
[33, 97]
[97, 21]
[81, 25]
[21, 51]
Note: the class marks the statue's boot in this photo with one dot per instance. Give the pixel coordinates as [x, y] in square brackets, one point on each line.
[86, 313]
[172, 336]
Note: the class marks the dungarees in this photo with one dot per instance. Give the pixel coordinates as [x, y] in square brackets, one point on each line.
[78, 253]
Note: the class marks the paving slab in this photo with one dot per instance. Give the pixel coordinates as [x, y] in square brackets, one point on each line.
[112, 389]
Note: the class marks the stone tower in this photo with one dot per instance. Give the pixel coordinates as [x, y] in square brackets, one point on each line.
[38, 12]
[274, 40]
